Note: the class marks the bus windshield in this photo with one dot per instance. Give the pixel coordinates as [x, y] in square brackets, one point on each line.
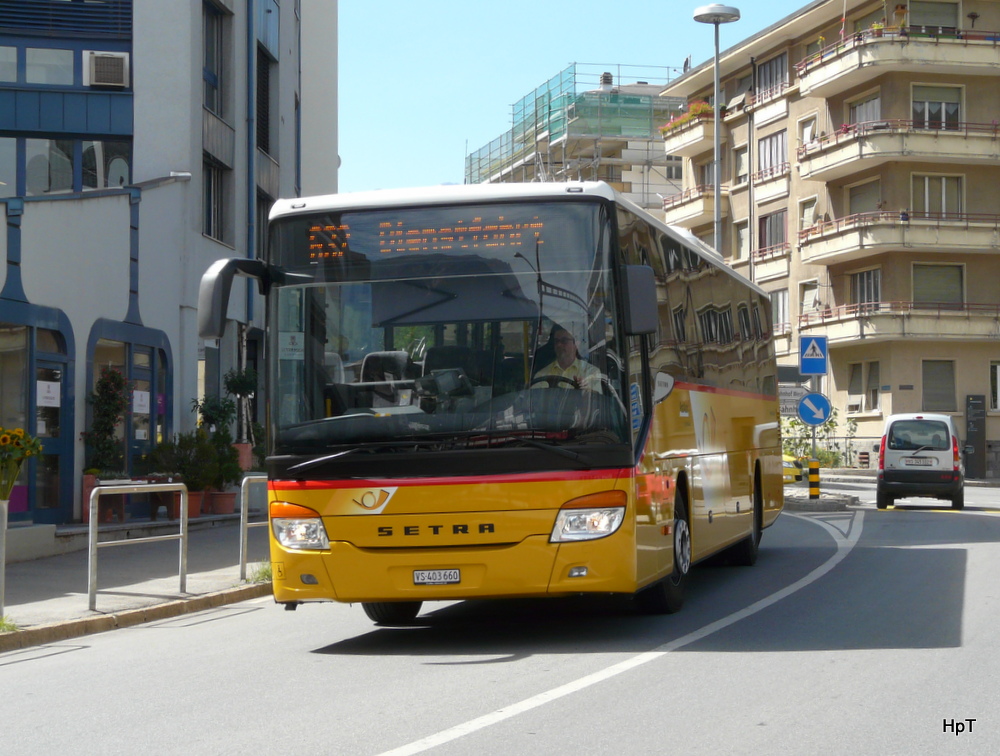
[445, 327]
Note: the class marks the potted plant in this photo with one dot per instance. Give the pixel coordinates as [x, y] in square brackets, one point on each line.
[192, 456]
[105, 449]
[217, 414]
[243, 385]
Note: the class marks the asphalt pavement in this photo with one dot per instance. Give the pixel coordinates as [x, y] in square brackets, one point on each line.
[48, 598]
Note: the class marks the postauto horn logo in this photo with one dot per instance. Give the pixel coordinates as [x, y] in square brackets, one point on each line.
[374, 501]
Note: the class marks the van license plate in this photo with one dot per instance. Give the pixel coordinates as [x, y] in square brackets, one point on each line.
[919, 461]
[437, 577]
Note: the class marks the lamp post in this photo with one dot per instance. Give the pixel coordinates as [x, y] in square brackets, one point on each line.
[716, 14]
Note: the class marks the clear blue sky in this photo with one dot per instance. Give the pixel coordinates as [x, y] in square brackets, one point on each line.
[423, 82]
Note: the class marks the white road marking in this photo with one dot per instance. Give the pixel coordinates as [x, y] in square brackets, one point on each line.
[845, 543]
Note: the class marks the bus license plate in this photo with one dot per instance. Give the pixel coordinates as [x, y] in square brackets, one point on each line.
[437, 577]
[919, 461]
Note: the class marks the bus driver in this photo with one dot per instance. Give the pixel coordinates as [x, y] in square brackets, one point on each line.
[568, 365]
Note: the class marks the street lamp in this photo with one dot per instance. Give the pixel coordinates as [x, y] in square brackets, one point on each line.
[717, 14]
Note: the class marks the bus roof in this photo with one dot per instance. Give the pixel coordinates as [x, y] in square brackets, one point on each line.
[438, 195]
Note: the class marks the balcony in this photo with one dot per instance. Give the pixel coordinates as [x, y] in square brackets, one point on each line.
[692, 138]
[771, 183]
[858, 58]
[857, 147]
[893, 321]
[857, 236]
[694, 207]
[771, 262]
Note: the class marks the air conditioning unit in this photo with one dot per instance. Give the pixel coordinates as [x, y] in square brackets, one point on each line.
[106, 69]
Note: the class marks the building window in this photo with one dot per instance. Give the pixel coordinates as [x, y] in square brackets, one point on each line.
[995, 385]
[938, 386]
[741, 165]
[940, 14]
[746, 327]
[779, 311]
[742, 251]
[937, 196]
[212, 72]
[214, 201]
[263, 101]
[680, 327]
[938, 286]
[8, 166]
[936, 107]
[8, 64]
[865, 22]
[772, 75]
[807, 214]
[809, 297]
[866, 289]
[772, 230]
[807, 131]
[106, 165]
[865, 110]
[863, 387]
[772, 153]
[864, 198]
[48, 166]
[48, 66]
[706, 174]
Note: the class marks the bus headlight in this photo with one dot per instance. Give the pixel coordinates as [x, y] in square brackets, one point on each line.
[297, 527]
[578, 522]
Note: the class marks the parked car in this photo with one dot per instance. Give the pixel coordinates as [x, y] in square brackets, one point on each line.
[919, 455]
[792, 468]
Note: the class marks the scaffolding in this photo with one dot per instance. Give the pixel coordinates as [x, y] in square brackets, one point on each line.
[586, 124]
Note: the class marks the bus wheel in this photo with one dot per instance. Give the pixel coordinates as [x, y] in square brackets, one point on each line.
[391, 612]
[744, 553]
[667, 596]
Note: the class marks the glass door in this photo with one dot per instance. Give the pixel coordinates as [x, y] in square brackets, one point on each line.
[53, 486]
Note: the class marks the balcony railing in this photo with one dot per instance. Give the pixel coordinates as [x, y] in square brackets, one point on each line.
[851, 222]
[870, 309]
[850, 132]
[850, 42]
[772, 172]
[687, 195]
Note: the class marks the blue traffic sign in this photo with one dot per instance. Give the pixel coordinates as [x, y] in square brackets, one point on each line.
[812, 355]
[814, 409]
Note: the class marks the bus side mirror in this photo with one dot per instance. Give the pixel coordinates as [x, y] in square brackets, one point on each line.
[213, 293]
[640, 300]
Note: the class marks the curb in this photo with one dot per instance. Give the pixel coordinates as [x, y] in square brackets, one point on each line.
[58, 631]
[826, 503]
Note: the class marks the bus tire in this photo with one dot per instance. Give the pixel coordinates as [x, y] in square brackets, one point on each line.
[392, 612]
[744, 553]
[667, 596]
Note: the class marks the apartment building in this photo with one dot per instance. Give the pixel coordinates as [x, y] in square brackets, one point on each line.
[588, 123]
[860, 163]
[140, 141]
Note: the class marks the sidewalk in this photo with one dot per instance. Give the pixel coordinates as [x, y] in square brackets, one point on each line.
[48, 601]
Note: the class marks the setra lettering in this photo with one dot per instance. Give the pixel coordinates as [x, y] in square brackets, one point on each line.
[387, 531]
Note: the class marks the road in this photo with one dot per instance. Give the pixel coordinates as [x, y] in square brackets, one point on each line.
[858, 632]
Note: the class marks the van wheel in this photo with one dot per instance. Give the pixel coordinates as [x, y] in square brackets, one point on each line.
[667, 595]
[392, 612]
[882, 499]
[958, 500]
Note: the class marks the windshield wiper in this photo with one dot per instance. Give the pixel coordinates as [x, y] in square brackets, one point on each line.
[317, 461]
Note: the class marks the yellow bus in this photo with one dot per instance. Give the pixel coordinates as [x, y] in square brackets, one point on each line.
[505, 390]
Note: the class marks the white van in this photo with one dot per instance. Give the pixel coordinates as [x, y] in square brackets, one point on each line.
[920, 456]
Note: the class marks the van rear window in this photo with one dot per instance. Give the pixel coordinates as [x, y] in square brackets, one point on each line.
[911, 435]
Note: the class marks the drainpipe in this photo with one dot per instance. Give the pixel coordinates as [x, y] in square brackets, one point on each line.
[251, 182]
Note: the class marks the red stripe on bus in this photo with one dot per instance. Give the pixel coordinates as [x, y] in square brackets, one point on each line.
[460, 480]
[723, 391]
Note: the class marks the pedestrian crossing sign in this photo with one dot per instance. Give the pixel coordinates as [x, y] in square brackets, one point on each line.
[813, 355]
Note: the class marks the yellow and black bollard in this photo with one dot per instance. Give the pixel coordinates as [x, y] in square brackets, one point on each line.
[813, 478]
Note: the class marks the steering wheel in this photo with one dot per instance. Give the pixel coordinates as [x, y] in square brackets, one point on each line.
[553, 381]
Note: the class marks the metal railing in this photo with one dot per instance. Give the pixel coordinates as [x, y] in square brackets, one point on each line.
[245, 523]
[94, 544]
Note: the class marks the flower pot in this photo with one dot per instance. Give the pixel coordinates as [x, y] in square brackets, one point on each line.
[109, 506]
[174, 508]
[223, 502]
[246, 455]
